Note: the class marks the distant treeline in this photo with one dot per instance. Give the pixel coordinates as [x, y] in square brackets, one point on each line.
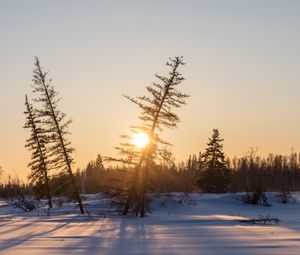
[249, 173]
[245, 174]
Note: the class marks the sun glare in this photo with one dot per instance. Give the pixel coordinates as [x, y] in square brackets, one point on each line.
[140, 140]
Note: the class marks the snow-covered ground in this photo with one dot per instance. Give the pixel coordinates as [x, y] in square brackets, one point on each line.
[207, 224]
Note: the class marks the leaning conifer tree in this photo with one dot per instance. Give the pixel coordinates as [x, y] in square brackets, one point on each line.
[156, 115]
[56, 124]
[37, 143]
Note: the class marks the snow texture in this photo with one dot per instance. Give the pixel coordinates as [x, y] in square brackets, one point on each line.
[198, 224]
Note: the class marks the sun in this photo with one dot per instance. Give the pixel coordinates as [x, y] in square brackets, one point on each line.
[140, 140]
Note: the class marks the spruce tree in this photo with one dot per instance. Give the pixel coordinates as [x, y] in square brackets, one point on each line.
[37, 143]
[94, 174]
[56, 124]
[215, 176]
[156, 114]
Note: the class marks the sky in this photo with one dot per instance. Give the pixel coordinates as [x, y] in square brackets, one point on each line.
[242, 71]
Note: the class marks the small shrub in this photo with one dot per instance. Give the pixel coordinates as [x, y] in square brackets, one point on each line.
[25, 203]
[285, 197]
[256, 198]
[187, 199]
[59, 202]
[264, 220]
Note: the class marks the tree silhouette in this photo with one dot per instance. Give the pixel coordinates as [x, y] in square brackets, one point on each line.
[37, 144]
[94, 174]
[156, 114]
[56, 125]
[215, 177]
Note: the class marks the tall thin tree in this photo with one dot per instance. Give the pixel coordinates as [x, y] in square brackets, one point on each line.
[156, 114]
[56, 124]
[37, 143]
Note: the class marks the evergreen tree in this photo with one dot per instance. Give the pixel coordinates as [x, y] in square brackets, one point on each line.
[215, 177]
[194, 167]
[56, 125]
[99, 163]
[37, 144]
[94, 174]
[156, 114]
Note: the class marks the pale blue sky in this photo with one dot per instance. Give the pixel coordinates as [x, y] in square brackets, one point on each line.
[242, 71]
